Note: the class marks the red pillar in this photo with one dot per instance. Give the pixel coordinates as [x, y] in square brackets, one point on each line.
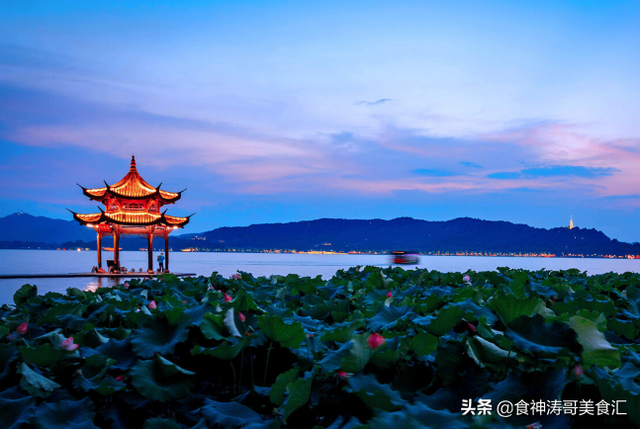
[166, 251]
[99, 251]
[150, 251]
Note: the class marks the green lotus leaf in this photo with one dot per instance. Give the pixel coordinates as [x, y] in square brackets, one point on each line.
[375, 395]
[24, 294]
[278, 389]
[450, 361]
[596, 350]
[228, 414]
[298, 394]
[447, 318]
[227, 350]
[212, 326]
[66, 414]
[509, 307]
[484, 352]
[385, 359]
[15, 413]
[161, 380]
[52, 314]
[623, 328]
[160, 423]
[4, 331]
[42, 356]
[532, 335]
[359, 354]
[288, 335]
[36, 384]
[332, 360]
[90, 338]
[119, 351]
[424, 344]
[8, 354]
[341, 332]
[388, 317]
[615, 388]
[161, 334]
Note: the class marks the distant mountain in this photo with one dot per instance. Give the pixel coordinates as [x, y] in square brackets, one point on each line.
[464, 235]
[23, 227]
[458, 235]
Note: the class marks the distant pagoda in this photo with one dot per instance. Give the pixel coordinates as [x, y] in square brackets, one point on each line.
[571, 223]
[132, 208]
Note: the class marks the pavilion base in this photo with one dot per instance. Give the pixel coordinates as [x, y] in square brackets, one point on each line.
[106, 275]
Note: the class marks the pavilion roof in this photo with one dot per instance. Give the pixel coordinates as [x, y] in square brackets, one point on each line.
[126, 218]
[132, 186]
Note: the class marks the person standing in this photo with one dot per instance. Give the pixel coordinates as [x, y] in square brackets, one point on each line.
[161, 262]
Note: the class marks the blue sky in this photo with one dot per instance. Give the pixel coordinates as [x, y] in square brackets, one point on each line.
[284, 111]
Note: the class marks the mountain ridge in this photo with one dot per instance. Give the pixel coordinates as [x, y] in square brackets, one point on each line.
[459, 235]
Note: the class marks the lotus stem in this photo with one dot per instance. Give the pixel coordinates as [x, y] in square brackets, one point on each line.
[266, 365]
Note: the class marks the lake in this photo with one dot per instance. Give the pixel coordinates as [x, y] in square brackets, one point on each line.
[259, 264]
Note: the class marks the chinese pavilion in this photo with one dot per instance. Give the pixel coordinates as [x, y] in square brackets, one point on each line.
[132, 207]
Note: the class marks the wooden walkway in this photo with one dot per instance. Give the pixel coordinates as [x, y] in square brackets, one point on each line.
[104, 275]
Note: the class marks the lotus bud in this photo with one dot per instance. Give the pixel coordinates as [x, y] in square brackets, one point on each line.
[227, 297]
[466, 279]
[22, 329]
[375, 340]
[68, 345]
[126, 285]
[342, 374]
[120, 378]
[577, 371]
[389, 294]
[242, 317]
[152, 305]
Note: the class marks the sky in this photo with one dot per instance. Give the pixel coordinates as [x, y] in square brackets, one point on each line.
[274, 111]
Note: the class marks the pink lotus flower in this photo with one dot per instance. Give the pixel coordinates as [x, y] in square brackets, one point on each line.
[22, 329]
[184, 301]
[471, 327]
[68, 345]
[375, 340]
[120, 378]
[577, 371]
[227, 298]
[466, 279]
[152, 305]
[126, 285]
[236, 276]
[389, 294]
[342, 374]
[242, 317]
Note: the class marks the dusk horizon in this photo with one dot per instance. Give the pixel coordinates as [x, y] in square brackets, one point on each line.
[275, 113]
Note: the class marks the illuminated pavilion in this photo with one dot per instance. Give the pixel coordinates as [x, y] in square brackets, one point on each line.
[132, 208]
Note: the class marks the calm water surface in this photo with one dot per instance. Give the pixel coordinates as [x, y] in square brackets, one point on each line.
[259, 264]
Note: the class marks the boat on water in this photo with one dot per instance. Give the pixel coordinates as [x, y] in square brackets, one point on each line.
[405, 257]
[110, 249]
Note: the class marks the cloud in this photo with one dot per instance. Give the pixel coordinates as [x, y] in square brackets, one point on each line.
[569, 170]
[556, 171]
[372, 103]
[470, 164]
[505, 175]
[433, 172]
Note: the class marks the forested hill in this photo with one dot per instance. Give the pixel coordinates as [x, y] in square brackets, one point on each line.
[463, 235]
[458, 235]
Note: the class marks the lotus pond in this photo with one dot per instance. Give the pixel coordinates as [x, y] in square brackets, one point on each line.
[368, 348]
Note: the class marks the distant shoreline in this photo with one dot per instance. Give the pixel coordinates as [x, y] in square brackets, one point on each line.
[293, 252]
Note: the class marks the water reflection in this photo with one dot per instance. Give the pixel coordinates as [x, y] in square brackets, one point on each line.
[94, 284]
